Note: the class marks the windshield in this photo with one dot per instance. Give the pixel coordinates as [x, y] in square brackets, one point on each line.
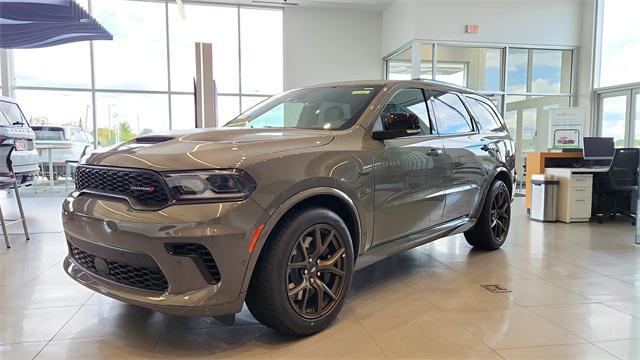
[328, 108]
[10, 114]
[49, 133]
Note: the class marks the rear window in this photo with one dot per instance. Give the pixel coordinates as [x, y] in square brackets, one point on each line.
[484, 115]
[10, 114]
[451, 115]
[49, 133]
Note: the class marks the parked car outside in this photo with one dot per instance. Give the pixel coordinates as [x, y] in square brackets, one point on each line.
[70, 143]
[279, 207]
[15, 130]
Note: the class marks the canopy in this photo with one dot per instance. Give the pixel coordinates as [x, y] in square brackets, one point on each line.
[39, 23]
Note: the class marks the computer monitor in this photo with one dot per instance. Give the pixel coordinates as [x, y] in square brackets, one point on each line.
[598, 148]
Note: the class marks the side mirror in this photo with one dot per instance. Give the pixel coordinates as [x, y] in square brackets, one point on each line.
[396, 125]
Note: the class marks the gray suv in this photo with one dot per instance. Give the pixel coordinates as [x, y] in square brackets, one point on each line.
[280, 206]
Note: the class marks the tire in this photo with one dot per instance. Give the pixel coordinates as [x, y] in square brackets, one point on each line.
[285, 287]
[490, 232]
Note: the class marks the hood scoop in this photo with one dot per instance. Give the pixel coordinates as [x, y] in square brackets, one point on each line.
[153, 139]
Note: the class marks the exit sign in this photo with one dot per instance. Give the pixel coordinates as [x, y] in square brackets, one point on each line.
[472, 29]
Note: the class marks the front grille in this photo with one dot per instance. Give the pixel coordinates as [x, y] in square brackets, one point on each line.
[151, 279]
[201, 256]
[144, 187]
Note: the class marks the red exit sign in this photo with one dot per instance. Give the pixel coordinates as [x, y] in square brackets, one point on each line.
[472, 29]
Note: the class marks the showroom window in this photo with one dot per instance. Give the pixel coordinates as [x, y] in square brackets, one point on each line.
[524, 83]
[619, 43]
[617, 76]
[143, 80]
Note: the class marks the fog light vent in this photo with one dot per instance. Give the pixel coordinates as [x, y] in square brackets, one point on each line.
[200, 255]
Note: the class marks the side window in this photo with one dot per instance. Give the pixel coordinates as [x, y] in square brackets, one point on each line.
[408, 101]
[76, 135]
[484, 115]
[451, 115]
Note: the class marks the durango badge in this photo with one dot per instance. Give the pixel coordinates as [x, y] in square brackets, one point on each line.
[143, 188]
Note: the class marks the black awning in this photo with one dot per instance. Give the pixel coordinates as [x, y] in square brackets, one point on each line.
[39, 23]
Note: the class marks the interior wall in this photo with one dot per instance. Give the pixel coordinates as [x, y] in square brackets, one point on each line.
[535, 22]
[326, 45]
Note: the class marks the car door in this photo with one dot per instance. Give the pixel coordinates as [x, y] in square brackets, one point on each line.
[408, 174]
[463, 153]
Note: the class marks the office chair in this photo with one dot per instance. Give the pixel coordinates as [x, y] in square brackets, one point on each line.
[622, 181]
[7, 182]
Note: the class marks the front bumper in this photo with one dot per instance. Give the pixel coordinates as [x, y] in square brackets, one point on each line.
[111, 230]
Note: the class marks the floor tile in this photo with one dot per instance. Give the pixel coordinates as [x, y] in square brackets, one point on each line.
[542, 292]
[416, 335]
[248, 342]
[113, 319]
[17, 326]
[513, 328]
[347, 338]
[592, 322]
[23, 351]
[46, 296]
[97, 348]
[631, 306]
[599, 288]
[573, 351]
[623, 349]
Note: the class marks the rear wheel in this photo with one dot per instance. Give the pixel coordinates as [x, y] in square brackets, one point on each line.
[302, 277]
[492, 227]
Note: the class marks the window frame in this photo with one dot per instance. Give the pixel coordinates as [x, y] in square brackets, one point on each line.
[427, 98]
[474, 126]
[492, 111]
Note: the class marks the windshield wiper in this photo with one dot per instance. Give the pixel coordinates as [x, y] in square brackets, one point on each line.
[17, 123]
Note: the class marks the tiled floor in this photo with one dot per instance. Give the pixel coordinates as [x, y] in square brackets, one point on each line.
[575, 294]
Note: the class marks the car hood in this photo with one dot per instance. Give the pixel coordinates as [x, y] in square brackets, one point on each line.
[207, 148]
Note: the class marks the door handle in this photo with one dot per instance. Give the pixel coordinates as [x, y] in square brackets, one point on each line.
[433, 152]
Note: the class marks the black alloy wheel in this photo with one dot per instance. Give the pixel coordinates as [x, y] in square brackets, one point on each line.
[500, 215]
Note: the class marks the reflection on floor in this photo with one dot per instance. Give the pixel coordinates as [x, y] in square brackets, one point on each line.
[575, 293]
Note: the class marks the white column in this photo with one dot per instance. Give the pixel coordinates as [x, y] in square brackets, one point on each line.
[206, 91]
[416, 59]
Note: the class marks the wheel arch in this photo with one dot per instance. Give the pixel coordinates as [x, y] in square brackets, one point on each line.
[332, 198]
[502, 174]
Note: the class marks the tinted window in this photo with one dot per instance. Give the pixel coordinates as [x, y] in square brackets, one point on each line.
[408, 101]
[77, 136]
[451, 115]
[49, 133]
[484, 115]
[10, 114]
[329, 108]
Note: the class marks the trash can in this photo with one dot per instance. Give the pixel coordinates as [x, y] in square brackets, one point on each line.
[544, 196]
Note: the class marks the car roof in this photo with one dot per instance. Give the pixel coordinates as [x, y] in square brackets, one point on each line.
[432, 84]
[7, 99]
[56, 126]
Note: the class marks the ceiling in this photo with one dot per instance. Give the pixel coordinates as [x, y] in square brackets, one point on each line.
[364, 5]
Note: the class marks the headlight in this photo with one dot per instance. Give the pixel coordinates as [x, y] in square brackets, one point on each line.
[220, 185]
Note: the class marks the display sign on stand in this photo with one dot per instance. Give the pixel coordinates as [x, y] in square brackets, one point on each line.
[566, 127]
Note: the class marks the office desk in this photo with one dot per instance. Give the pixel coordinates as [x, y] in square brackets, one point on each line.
[538, 161]
[587, 170]
[575, 193]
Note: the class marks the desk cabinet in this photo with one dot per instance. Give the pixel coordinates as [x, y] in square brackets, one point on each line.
[574, 195]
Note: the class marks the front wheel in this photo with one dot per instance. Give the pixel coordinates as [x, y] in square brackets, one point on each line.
[492, 227]
[304, 272]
